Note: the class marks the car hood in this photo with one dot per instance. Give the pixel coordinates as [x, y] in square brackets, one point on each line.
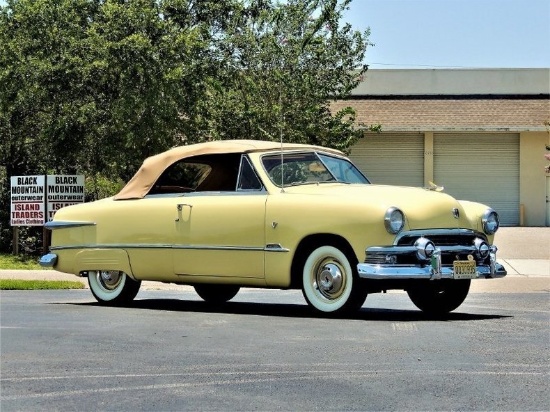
[423, 208]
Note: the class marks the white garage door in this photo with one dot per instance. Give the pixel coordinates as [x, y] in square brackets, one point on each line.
[391, 158]
[480, 167]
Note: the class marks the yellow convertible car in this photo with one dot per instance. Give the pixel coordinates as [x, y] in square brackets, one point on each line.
[229, 214]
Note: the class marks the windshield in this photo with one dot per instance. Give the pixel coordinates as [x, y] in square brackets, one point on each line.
[310, 168]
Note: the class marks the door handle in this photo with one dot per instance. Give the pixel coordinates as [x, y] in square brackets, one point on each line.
[179, 208]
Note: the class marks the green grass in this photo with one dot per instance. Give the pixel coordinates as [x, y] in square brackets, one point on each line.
[17, 284]
[9, 261]
[22, 262]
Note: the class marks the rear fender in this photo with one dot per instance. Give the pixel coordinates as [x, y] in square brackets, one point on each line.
[103, 259]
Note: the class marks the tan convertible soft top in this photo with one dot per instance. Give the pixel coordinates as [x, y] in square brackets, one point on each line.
[153, 166]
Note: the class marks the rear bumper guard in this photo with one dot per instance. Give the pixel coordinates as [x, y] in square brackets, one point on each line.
[48, 261]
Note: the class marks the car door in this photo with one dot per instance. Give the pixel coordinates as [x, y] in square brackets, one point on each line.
[221, 233]
[147, 230]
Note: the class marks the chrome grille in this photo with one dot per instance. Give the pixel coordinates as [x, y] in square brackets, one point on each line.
[455, 244]
[441, 237]
[376, 259]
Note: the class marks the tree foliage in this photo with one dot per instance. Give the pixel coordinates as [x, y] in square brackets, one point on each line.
[94, 86]
[283, 65]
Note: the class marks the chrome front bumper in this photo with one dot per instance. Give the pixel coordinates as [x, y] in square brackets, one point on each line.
[431, 270]
[381, 272]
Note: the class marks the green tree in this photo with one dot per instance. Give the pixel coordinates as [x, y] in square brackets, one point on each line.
[98, 85]
[283, 64]
[40, 90]
[94, 86]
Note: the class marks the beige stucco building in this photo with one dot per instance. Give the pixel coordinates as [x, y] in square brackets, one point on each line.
[480, 133]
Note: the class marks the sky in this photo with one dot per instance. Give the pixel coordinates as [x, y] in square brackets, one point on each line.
[454, 33]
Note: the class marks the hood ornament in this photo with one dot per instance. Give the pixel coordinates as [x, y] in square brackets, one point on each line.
[435, 188]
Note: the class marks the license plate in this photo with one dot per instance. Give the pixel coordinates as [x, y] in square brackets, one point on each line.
[464, 269]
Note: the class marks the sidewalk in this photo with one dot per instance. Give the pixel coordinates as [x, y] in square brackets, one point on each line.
[524, 252]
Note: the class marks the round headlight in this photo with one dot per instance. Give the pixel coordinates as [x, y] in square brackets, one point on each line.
[490, 221]
[394, 220]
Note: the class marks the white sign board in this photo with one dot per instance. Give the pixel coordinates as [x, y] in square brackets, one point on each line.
[27, 201]
[63, 190]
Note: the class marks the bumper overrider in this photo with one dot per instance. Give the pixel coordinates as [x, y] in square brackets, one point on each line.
[433, 254]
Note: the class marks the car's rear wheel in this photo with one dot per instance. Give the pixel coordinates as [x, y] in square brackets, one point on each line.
[216, 294]
[112, 287]
[329, 282]
[439, 297]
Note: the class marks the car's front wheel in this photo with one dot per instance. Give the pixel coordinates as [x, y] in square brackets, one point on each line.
[329, 282]
[438, 297]
[112, 287]
[216, 294]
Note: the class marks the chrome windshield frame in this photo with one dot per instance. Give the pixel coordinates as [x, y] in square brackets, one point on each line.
[319, 155]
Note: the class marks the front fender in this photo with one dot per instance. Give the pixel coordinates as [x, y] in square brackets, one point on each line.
[474, 211]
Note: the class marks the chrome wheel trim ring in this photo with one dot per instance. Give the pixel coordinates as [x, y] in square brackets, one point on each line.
[109, 280]
[329, 279]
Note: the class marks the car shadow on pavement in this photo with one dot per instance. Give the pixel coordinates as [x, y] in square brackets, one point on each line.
[293, 311]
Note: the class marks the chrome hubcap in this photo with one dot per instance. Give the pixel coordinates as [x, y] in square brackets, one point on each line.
[109, 279]
[329, 280]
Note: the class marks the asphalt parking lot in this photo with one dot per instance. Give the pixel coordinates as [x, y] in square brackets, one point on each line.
[267, 351]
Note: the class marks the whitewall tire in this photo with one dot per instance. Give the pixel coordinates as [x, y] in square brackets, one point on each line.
[329, 283]
[112, 287]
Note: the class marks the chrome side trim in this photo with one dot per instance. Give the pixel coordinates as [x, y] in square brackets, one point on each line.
[267, 248]
[275, 247]
[59, 224]
[226, 193]
[381, 272]
[216, 247]
[205, 193]
[111, 246]
[48, 260]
